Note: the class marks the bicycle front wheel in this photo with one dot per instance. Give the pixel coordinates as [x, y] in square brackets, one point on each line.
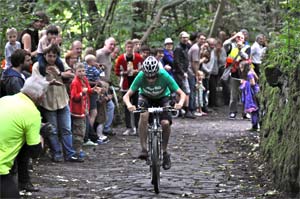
[155, 163]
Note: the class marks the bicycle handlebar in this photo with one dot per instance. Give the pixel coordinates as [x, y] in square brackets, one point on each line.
[155, 109]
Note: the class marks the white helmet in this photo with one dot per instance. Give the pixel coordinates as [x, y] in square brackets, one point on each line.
[150, 66]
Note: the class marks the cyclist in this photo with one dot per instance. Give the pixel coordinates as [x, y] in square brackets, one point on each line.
[154, 85]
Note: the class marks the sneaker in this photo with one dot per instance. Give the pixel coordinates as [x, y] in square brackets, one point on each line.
[246, 116]
[28, 186]
[130, 131]
[166, 161]
[75, 158]
[253, 130]
[103, 140]
[134, 132]
[190, 115]
[232, 115]
[198, 114]
[143, 155]
[89, 143]
[204, 114]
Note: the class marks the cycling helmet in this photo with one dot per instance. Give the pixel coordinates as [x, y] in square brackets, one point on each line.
[150, 66]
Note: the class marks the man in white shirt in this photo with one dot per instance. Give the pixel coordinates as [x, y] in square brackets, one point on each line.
[258, 49]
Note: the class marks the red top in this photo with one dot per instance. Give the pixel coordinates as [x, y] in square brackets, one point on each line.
[121, 66]
[79, 102]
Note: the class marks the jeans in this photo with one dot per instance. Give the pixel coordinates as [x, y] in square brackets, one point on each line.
[110, 107]
[192, 102]
[128, 116]
[61, 119]
[234, 94]
[206, 86]
[213, 82]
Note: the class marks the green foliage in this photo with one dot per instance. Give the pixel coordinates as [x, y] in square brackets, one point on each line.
[284, 49]
[281, 137]
[77, 22]
[11, 17]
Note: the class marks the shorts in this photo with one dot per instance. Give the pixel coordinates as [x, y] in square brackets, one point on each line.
[146, 102]
[93, 101]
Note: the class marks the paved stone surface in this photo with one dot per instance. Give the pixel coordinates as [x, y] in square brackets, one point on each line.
[199, 169]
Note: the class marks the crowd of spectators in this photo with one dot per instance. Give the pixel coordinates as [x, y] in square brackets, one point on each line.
[79, 104]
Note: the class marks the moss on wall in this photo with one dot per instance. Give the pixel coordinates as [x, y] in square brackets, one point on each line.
[280, 107]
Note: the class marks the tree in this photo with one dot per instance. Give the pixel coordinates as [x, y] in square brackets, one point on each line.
[218, 17]
[158, 17]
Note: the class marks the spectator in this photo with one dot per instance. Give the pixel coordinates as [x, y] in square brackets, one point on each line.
[194, 63]
[145, 52]
[238, 52]
[258, 50]
[159, 54]
[11, 45]
[48, 39]
[168, 58]
[57, 112]
[29, 37]
[12, 82]
[79, 106]
[199, 93]
[103, 56]
[12, 79]
[21, 118]
[136, 45]
[127, 67]
[115, 53]
[181, 63]
[249, 89]
[217, 60]
[45, 43]
[93, 73]
[222, 36]
[71, 59]
[76, 47]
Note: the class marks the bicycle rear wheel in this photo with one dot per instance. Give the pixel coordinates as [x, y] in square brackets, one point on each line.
[155, 163]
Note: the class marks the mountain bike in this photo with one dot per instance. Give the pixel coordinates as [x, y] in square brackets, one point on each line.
[155, 142]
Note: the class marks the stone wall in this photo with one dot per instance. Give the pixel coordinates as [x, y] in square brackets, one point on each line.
[280, 123]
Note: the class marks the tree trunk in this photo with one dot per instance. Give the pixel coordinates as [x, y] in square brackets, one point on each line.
[217, 18]
[96, 33]
[158, 16]
[139, 17]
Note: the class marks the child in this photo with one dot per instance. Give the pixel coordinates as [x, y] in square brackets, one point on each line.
[46, 41]
[79, 106]
[158, 53]
[93, 73]
[199, 93]
[249, 89]
[11, 45]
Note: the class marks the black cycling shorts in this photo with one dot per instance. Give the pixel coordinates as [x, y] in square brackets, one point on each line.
[146, 102]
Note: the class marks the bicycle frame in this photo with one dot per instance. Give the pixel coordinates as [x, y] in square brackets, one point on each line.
[154, 148]
[155, 142]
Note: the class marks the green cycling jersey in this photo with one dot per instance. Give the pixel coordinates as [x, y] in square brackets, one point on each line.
[161, 87]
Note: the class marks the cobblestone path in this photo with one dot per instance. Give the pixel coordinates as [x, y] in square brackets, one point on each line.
[198, 170]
